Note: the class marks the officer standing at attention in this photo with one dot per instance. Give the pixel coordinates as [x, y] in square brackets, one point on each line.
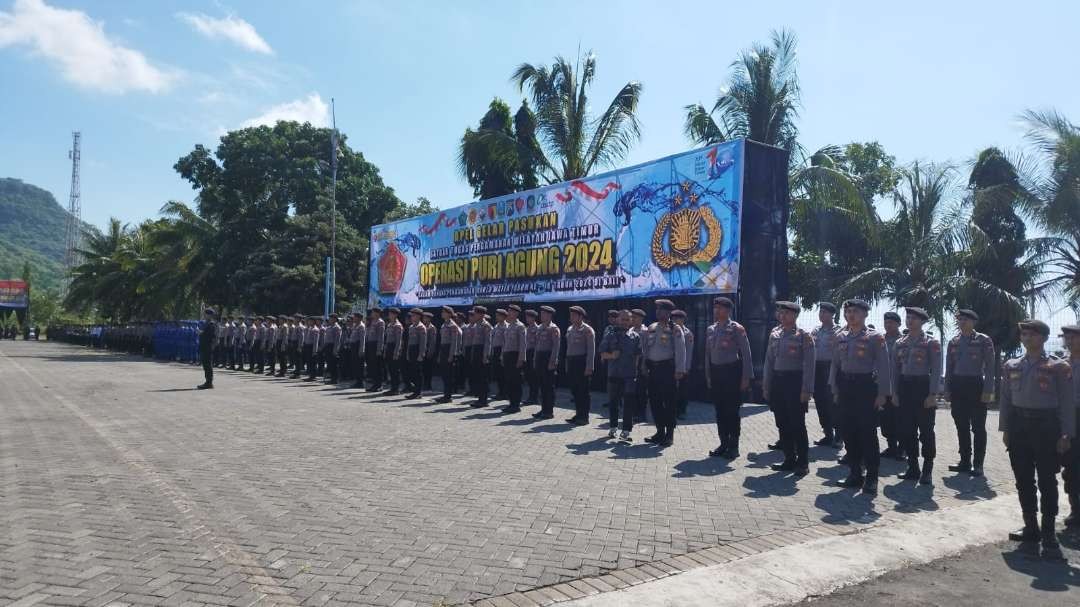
[513, 357]
[481, 350]
[788, 384]
[449, 342]
[681, 399]
[580, 361]
[889, 412]
[416, 353]
[311, 346]
[465, 370]
[917, 370]
[824, 336]
[547, 360]
[297, 337]
[374, 348]
[621, 349]
[1071, 473]
[1037, 420]
[969, 387]
[331, 347]
[432, 349]
[270, 344]
[392, 344]
[861, 378]
[226, 330]
[207, 337]
[357, 341]
[637, 323]
[612, 326]
[498, 332]
[730, 369]
[664, 353]
[531, 378]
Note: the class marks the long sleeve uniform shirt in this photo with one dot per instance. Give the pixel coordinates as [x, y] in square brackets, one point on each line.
[514, 339]
[432, 340]
[971, 356]
[481, 337]
[688, 343]
[547, 340]
[418, 340]
[392, 340]
[665, 341]
[824, 342]
[581, 341]
[375, 334]
[1041, 383]
[790, 350]
[450, 339]
[918, 356]
[863, 351]
[727, 342]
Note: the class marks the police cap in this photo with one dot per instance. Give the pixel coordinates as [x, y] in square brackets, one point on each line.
[577, 310]
[448, 309]
[514, 307]
[857, 303]
[612, 312]
[890, 315]
[919, 312]
[394, 310]
[965, 313]
[788, 305]
[664, 304]
[479, 310]
[723, 302]
[530, 313]
[1070, 330]
[828, 306]
[638, 312]
[547, 309]
[678, 314]
[419, 311]
[428, 315]
[1037, 326]
[500, 311]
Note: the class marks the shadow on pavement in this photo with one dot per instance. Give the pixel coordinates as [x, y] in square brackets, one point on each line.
[846, 506]
[770, 485]
[968, 488]
[709, 466]
[1048, 576]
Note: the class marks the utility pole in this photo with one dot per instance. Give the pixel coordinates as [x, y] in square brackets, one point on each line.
[73, 236]
[331, 265]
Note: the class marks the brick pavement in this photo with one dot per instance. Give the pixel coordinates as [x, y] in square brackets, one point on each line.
[119, 485]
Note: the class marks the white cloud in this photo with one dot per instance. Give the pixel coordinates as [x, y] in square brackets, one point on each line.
[78, 47]
[231, 28]
[309, 109]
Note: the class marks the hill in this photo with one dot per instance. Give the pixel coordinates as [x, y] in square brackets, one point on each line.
[32, 229]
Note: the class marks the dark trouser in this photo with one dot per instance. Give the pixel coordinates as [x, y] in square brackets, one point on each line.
[260, 358]
[374, 363]
[887, 417]
[621, 392]
[283, 358]
[857, 392]
[914, 422]
[1033, 437]
[681, 400]
[785, 391]
[727, 397]
[415, 369]
[479, 376]
[446, 370]
[579, 385]
[230, 356]
[297, 359]
[271, 358]
[461, 374]
[1071, 472]
[823, 400]
[429, 371]
[496, 372]
[531, 378]
[356, 358]
[331, 359]
[511, 378]
[309, 360]
[254, 357]
[320, 362]
[394, 371]
[546, 378]
[969, 413]
[662, 395]
[208, 367]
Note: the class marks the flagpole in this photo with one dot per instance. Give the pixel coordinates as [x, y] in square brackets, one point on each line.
[331, 277]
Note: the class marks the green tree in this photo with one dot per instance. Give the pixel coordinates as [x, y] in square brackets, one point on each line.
[574, 143]
[502, 154]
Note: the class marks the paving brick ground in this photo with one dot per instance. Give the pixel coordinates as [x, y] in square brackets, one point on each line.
[120, 485]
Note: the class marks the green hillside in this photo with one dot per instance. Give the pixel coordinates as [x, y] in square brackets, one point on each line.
[32, 228]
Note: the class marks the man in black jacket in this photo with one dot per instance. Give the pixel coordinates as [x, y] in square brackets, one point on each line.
[206, 347]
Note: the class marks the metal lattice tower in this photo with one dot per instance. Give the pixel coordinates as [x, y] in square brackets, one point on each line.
[74, 219]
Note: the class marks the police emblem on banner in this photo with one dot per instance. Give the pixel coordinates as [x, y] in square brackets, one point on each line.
[686, 236]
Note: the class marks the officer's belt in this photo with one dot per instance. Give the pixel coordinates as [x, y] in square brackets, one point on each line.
[1034, 413]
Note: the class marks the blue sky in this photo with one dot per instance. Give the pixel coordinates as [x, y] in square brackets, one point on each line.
[146, 81]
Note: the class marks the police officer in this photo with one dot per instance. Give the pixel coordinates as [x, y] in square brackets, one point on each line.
[498, 332]
[664, 354]
[465, 371]
[824, 336]
[481, 352]
[1037, 420]
[357, 350]
[889, 412]
[297, 337]
[681, 399]
[374, 348]
[449, 343]
[531, 377]
[270, 344]
[547, 360]
[1071, 474]
[312, 340]
[969, 386]
[207, 337]
[580, 361]
[513, 357]
[861, 378]
[392, 349]
[641, 394]
[917, 369]
[331, 347]
[432, 349]
[730, 369]
[620, 348]
[227, 334]
[788, 384]
[417, 351]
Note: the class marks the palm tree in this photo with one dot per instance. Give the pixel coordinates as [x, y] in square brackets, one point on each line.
[575, 143]
[186, 245]
[1051, 186]
[502, 154]
[101, 280]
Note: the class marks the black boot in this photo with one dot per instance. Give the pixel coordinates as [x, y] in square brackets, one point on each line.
[1051, 550]
[1073, 520]
[927, 477]
[870, 486]
[1030, 531]
[669, 437]
[722, 449]
[733, 447]
[963, 466]
[913, 473]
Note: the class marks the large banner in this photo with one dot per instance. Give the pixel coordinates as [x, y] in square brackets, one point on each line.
[665, 227]
[14, 294]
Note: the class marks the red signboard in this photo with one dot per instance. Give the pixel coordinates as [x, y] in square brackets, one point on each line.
[14, 294]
